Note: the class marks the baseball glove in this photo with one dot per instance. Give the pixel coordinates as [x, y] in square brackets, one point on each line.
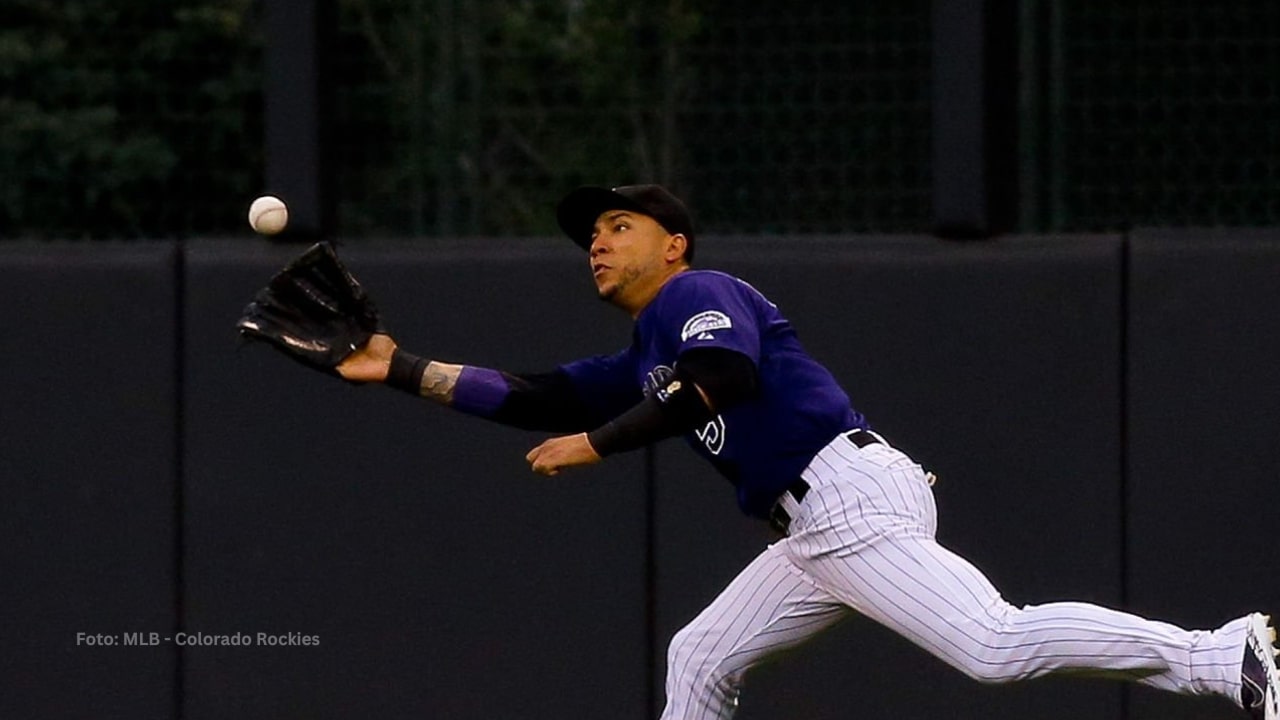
[314, 311]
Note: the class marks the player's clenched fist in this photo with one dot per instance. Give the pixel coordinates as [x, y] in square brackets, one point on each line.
[562, 452]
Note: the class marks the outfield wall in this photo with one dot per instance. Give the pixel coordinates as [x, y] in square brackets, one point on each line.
[1099, 411]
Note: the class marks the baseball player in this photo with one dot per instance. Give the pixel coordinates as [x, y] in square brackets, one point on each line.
[714, 361]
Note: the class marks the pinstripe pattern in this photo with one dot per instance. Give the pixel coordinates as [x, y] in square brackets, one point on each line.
[863, 539]
[768, 607]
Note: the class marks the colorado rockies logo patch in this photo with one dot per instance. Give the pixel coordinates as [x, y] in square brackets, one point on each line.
[700, 326]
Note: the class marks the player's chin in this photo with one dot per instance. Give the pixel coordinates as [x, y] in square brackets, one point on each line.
[606, 290]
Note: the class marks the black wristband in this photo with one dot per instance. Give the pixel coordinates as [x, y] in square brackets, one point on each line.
[406, 372]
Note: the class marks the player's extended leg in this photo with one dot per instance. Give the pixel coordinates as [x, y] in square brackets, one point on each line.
[768, 607]
[943, 604]
[865, 534]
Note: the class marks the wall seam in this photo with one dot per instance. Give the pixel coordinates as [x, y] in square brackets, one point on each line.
[651, 581]
[1124, 291]
[179, 461]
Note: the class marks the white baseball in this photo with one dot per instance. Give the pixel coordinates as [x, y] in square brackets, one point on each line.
[268, 215]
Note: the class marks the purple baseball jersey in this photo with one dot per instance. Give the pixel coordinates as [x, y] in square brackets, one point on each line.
[761, 444]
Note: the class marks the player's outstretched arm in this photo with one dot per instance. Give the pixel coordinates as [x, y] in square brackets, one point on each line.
[678, 408]
[541, 401]
[372, 364]
[706, 382]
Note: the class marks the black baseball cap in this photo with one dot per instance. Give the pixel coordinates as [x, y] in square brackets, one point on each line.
[578, 211]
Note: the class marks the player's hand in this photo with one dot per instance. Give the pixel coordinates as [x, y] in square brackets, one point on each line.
[562, 452]
[369, 363]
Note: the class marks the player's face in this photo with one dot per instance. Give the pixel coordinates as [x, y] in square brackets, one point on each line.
[627, 257]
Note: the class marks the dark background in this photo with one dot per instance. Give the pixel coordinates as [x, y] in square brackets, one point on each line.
[441, 118]
[1036, 241]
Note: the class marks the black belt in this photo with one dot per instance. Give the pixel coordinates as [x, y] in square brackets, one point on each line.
[778, 517]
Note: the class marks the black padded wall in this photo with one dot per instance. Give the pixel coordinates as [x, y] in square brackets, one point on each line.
[1203, 402]
[87, 462]
[1100, 427]
[440, 577]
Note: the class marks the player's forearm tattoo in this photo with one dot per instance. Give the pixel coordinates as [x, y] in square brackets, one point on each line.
[439, 380]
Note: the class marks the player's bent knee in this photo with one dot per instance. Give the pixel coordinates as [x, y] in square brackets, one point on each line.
[987, 675]
[686, 656]
[693, 664]
[991, 666]
[986, 661]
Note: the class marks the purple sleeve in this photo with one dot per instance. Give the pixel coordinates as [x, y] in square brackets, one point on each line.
[576, 396]
[479, 391]
[606, 383]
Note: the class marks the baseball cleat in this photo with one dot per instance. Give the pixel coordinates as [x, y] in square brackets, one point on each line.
[1259, 679]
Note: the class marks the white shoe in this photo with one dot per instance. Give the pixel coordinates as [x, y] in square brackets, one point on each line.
[1259, 679]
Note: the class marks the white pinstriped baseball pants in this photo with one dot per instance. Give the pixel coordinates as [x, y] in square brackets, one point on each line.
[863, 541]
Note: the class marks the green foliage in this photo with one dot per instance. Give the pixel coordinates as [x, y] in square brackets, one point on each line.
[498, 107]
[143, 118]
[127, 118]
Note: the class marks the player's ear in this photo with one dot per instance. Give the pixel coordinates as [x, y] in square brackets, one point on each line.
[676, 246]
